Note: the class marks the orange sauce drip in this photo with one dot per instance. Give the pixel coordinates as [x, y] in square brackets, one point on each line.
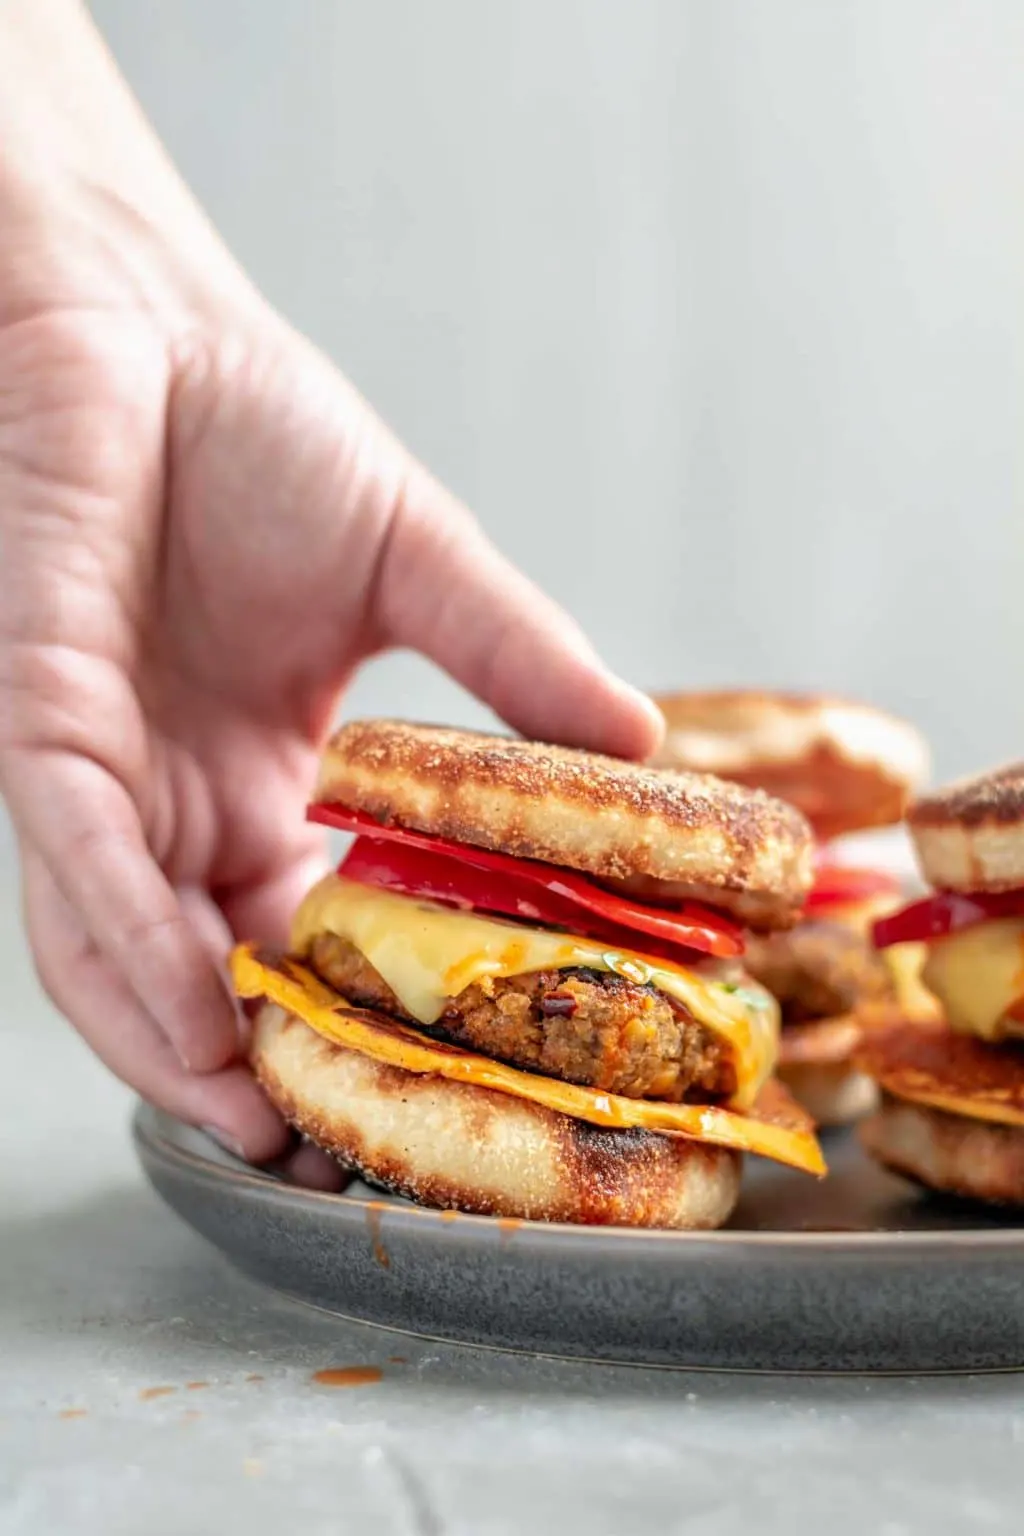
[148, 1393]
[347, 1376]
[374, 1213]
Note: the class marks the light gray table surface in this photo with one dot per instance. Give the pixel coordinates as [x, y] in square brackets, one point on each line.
[105, 1296]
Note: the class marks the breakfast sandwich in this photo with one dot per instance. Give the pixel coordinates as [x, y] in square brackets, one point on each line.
[850, 769]
[522, 993]
[952, 1112]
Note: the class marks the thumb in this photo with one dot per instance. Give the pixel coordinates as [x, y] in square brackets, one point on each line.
[446, 591]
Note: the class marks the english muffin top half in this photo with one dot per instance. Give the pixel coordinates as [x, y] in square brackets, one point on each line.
[655, 833]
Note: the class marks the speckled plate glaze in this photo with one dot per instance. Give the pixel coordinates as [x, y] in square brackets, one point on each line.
[859, 1273]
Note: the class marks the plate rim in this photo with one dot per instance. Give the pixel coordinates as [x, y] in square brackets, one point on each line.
[149, 1136]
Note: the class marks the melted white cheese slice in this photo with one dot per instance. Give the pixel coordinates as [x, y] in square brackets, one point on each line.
[428, 954]
[978, 976]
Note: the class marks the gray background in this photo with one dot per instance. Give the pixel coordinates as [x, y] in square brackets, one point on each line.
[710, 308]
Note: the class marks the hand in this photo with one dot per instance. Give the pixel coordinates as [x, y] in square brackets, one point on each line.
[203, 531]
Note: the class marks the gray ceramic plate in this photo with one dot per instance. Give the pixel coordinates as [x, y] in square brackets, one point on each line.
[859, 1273]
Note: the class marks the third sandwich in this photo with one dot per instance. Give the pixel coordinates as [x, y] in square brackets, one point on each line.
[952, 1114]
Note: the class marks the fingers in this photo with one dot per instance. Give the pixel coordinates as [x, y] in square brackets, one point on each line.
[228, 1105]
[87, 831]
[411, 564]
[88, 990]
[262, 911]
[313, 1169]
[446, 591]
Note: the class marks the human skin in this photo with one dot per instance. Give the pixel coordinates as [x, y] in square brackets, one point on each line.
[204, 530]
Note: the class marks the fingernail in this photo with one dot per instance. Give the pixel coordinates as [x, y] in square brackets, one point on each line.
[226, 1140]
[654, 714]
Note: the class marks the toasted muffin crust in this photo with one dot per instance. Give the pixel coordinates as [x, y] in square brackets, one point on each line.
[969, 836]
[972, 1159]
[621, 822]
[847, 766]
[459, 1146]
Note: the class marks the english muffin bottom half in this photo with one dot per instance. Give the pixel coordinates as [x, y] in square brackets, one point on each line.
[522, 991]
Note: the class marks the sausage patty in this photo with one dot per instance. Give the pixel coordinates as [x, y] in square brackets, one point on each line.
[583, 1026]
[817, 970]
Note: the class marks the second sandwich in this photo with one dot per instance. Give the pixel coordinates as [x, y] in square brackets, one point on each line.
[850, 768]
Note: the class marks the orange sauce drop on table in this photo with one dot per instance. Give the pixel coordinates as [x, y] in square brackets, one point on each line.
[148, 1393]
[348, 1376]
[73, 1413]
[195, 1386]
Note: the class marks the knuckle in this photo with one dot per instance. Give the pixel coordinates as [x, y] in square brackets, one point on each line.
[151, 937]
[40, 691]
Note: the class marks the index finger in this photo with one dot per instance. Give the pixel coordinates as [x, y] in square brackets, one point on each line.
[446, 591]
